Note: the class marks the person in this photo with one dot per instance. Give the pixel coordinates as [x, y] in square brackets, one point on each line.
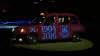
[59, 20]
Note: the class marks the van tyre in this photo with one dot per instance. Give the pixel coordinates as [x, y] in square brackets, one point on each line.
[75, 37]
[32, 38]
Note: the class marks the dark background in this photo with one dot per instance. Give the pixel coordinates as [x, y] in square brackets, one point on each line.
[27, 9]
[87, 11]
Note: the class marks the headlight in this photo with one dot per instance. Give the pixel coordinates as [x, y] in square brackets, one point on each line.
[22, 30]
[20, 39]
[13, 30]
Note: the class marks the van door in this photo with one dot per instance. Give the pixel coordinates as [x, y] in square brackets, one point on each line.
[63, 27]
[75, 24]
[48, 29]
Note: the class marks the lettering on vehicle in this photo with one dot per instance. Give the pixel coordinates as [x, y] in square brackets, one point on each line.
[77, 28]
[64, 33]
[49, 32]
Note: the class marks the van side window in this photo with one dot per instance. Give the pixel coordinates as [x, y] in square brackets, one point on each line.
[63, 20]
[50, 20]
[73, 20]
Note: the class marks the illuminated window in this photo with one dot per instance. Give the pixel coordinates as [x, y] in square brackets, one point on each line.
[73, 20]
[63, 19]
[42, 14]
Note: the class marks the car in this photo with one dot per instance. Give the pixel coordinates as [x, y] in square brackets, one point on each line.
[53, 26]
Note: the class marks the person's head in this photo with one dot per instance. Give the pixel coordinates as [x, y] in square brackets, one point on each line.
[62, 19]
[59, 20]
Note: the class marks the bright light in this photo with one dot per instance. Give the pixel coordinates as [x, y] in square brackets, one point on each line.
[20, 39]
[13, 30]
[40, 22]
[69, 18]
[42, 14]
[35, 2]
[54, 17]
[43, 17]
[52, 1]
[7, 26]
[22, 30]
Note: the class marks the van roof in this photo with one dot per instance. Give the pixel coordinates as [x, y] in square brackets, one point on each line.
[61, 14]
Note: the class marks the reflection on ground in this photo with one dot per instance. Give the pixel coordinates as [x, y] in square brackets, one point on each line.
[59, 46]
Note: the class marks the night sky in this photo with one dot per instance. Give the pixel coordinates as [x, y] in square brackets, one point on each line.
[17, 10]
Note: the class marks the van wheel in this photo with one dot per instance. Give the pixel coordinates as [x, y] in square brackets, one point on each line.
[75, 37]
[32, 38]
